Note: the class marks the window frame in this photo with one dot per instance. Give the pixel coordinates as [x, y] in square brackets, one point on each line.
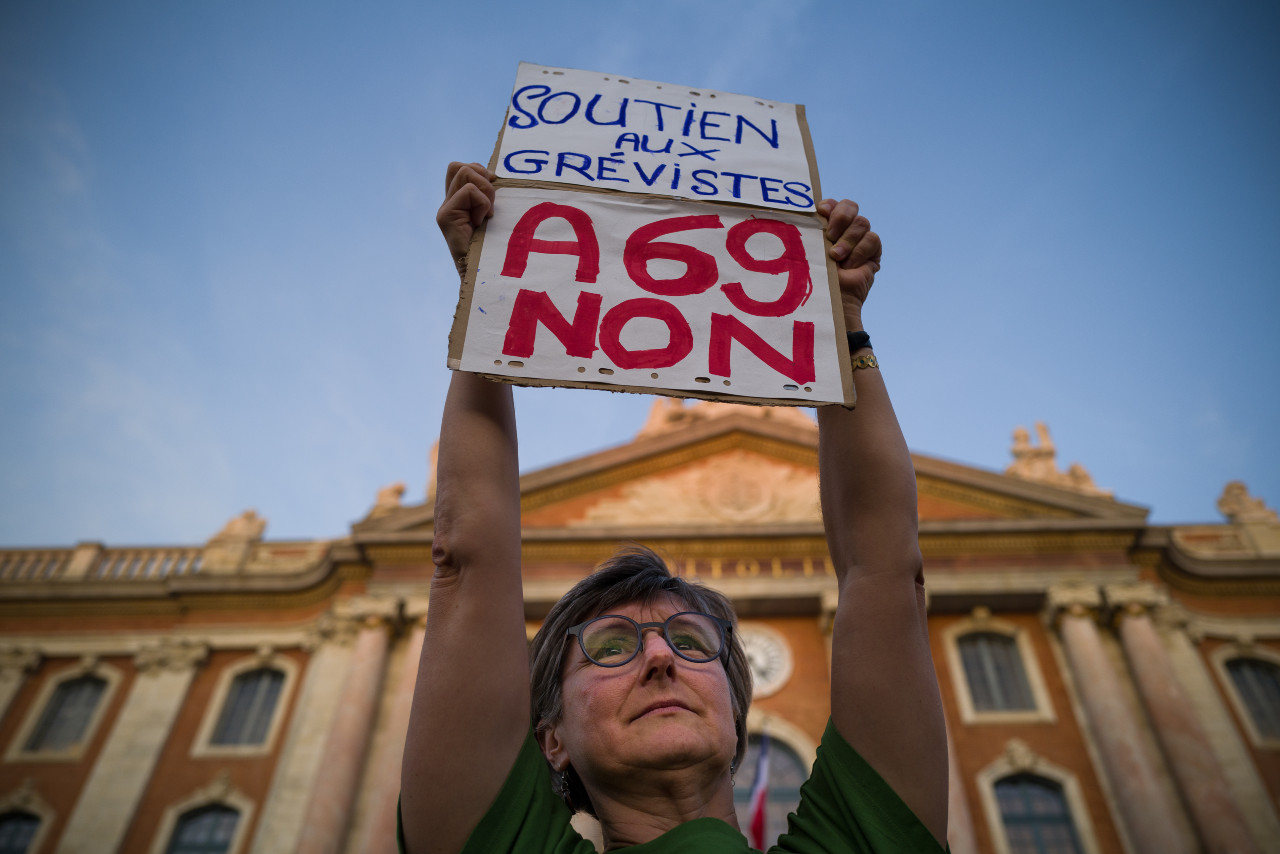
[1017, 759]
[1220, 658]
[89, 666]
[203, 745]
[26, 799]
[981, 622]
[219, 792]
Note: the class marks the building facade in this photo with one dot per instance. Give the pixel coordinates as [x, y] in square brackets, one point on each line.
[1109, 685]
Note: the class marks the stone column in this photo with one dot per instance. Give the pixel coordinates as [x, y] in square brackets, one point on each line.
[960, 836]
[383, 789]
[332, 798]
[1198, 773]
[115, 785]
[15, 663]
[330, 643]
[1145, 808]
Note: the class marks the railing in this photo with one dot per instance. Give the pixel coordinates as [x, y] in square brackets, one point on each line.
[144, 564]
[95, 563]
[33, 564]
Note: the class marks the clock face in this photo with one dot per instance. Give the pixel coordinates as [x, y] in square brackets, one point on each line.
[769, 656]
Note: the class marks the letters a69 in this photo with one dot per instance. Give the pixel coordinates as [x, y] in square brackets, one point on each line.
[690, 307]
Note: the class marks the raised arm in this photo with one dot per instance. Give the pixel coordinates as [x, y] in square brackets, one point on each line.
[471, 704]
[884, 692]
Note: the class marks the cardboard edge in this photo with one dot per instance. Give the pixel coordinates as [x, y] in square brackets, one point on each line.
[833, 275]
[466, 291]
[810, 155]
[532, 382]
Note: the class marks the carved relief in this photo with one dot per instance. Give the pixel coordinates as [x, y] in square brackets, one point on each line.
[18, 659]
[331, 628]
[1239, 506]
[388, 500]
[735, 487]
[1040, 463]
[174, 655]
[670, 414]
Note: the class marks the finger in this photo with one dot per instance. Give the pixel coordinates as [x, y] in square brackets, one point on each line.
[867, 250]
[469, 173]
[848, 238]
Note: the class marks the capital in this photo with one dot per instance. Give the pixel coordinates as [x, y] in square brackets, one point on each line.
[1072, 600]
[1135, 599]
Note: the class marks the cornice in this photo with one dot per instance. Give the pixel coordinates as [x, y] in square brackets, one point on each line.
[1234, 576]
[175, 597]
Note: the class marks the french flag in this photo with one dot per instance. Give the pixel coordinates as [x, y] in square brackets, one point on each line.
[759, 796]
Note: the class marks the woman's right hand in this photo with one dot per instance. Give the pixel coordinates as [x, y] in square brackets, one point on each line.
[468, 202]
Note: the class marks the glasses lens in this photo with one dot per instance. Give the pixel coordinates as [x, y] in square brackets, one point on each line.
[610, 640]
[696, 637]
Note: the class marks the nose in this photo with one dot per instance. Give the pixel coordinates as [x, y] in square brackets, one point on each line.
[656, 652]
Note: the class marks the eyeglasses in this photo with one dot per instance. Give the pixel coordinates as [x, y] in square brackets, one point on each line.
[613, 640]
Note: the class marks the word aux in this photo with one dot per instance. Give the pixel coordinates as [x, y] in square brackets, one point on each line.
[588, 328]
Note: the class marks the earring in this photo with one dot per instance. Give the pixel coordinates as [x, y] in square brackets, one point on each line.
[560, 783]
[733, 769]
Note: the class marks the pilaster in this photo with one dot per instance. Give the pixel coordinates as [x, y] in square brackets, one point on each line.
[15, 663]
[330, 642]
[329, 810]
[383, 791]
[1145, 807]
[1196, 770]
[106, 806]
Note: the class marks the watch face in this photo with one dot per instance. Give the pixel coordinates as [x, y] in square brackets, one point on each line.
[769, 656]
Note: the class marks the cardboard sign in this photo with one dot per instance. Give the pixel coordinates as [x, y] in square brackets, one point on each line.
[636, 136]
[655, 295]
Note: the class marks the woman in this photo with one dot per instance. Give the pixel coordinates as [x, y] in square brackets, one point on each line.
[639, 688]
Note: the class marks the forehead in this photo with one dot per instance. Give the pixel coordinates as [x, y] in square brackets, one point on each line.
[655, 608]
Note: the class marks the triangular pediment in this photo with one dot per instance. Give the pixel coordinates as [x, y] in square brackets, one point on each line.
[737, 467]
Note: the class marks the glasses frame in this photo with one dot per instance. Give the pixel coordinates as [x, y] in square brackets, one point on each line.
[726, 631]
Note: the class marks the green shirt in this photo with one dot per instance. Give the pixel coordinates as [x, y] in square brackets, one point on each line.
[845, 807]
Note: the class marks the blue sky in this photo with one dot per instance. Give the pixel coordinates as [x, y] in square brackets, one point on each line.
[221, 285]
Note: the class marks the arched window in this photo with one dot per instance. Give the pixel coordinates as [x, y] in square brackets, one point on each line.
[66, 716]
[251, 701]
[1036, 817]
[1258, 684]
[787, 773]
[17, 831]
[206, 830]
[993, 669]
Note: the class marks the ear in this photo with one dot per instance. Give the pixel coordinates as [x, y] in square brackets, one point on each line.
[553, 747]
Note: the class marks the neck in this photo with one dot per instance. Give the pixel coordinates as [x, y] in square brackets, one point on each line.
[641, 810]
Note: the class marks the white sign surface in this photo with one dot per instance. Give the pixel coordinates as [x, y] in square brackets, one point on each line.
[609, 132]
[656, 295]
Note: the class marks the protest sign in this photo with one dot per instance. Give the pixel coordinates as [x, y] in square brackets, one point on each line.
[637, 136]
[573, 283]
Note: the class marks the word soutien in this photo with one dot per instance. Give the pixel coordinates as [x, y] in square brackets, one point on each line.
[588, 328]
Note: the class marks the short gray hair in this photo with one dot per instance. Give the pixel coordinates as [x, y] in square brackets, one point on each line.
[635, 573]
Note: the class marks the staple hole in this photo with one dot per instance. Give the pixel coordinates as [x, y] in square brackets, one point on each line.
[702, 379]
[653, 376]
[497, 361]
[808, 388]
[515, 364]
[726, 382]
[608, 372]
[581, 370]
[621, 80]
[791, 387]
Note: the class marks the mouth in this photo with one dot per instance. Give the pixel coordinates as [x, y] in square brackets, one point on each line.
[663, 706]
